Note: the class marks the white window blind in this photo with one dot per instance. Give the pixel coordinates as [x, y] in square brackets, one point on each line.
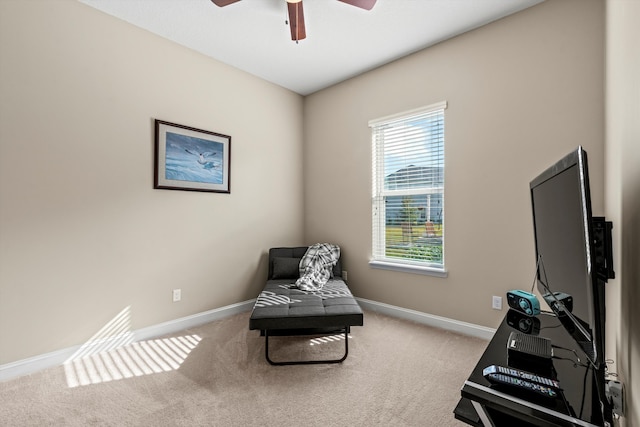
[408, 188]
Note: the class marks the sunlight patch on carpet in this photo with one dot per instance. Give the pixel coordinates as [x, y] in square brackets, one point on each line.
[112, 355]
[327, 339]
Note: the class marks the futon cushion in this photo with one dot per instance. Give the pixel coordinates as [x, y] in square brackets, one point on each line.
[296, 252]
[281, 305]
[286, 268]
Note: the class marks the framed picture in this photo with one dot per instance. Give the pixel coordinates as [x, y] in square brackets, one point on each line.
[191, 159]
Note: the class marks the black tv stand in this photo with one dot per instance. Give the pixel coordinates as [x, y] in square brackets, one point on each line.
[581, 401]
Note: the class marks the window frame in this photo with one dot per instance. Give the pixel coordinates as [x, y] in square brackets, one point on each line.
[379, 194]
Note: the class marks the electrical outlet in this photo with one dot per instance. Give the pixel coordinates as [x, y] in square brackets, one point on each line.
[344, 275]
[177, 295]
[496, 303]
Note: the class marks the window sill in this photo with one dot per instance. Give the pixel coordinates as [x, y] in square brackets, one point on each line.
[408, 268]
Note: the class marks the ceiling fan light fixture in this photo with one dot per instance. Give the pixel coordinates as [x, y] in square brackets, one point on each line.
[296, 14]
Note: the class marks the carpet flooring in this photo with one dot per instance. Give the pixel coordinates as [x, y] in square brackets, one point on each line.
[398, 373]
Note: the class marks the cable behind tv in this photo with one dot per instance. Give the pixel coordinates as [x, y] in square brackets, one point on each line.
[576, 322]
[535, 274]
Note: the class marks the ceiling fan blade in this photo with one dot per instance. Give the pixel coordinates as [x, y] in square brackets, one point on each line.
[363, 4]
[223, 3]
[296, 20]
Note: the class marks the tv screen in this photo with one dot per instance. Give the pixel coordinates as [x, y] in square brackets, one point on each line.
[567, 279]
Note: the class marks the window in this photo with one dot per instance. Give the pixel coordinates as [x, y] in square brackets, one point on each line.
[408, 190]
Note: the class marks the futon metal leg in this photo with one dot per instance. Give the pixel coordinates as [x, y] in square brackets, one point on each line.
[306, 362]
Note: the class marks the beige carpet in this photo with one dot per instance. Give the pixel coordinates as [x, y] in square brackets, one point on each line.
[398, 373]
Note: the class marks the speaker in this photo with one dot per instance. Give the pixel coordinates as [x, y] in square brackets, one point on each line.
[565, 299]
[524, 302]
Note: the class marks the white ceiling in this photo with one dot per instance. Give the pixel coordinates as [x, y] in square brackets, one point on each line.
[342, 40]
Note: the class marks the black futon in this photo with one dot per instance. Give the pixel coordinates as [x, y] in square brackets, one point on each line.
[283, 309]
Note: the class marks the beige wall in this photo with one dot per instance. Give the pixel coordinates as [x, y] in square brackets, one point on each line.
[521, 93]
[623, 190]
[83, 234]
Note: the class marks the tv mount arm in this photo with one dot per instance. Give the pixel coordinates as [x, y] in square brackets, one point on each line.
[603, 248]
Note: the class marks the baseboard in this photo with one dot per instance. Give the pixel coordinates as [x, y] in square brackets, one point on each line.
[191, 321]
[428, 319]
[48, 360]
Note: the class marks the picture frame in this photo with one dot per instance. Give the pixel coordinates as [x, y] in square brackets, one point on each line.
[191, 159]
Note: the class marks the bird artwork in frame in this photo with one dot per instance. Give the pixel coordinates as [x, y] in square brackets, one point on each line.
[191, 159]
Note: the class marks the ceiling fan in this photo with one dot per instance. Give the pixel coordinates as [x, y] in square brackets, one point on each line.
[296, 15]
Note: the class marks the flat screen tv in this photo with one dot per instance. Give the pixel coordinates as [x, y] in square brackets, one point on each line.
[565, 251]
